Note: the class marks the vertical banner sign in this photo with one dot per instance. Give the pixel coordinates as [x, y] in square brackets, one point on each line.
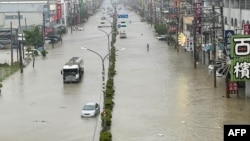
[247, 29]
[59, 11]
[177, 3]
[197, 18]
[240, 54]
[227, 37]
[172, 28]
[232, 87]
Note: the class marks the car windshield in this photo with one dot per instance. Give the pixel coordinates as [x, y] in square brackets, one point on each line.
[89, 107]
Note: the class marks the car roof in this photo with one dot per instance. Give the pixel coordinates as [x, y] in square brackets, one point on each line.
[90, 103]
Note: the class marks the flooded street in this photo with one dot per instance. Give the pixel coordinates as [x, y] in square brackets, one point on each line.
[37, 105]
[159, 96]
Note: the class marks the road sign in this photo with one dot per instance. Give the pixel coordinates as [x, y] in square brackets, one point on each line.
[123, 16]
[228, 34]
[173, 10]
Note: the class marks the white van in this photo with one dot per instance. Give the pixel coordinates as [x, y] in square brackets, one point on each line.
[123, 34]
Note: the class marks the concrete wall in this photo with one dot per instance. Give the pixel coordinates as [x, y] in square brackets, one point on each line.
[31, 19]
[1, 21]
[238, 14]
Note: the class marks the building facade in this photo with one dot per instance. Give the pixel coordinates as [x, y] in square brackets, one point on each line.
[36, 12]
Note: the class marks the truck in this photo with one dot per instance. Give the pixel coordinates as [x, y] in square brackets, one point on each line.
[73, 70]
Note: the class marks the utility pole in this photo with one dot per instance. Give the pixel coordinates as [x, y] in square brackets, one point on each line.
[194, 42]
[19, 45]
[71, 17]
[22, 37]
[225, 47]
[43, 32]
[177, 30]
[155, 19]
[11, 43]
[214, 44]
[151, 17]
[74, 20]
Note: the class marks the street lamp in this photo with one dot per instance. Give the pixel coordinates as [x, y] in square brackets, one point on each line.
[103, 73]
[107, 36]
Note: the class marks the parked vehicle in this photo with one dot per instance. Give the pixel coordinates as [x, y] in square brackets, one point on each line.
[90, 109]
[53, 38]
[77, 28]
[5, 43]
[123, 25]
[73, 70]
[162, 37]
[33, 52]
[188, 48]
[143, 20]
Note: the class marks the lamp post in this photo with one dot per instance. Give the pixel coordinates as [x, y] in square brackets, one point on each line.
[107, 36]
[103, 75]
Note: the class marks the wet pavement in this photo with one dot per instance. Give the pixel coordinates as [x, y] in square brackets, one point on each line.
[37, 105]
[159, 96]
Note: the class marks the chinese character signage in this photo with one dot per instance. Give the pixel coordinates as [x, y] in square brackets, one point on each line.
[172, 28]
[177, 3]
[240, 54]
[198, 15]
[232, 88]
[58, 11]
[228, 34]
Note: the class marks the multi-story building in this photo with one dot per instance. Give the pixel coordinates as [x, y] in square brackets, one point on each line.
[236, 14]
[36, 12]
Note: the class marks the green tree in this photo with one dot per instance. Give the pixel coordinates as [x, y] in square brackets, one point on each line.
[34, 37]
[160, 28]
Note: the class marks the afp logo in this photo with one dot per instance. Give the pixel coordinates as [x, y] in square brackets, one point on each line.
[236, 132]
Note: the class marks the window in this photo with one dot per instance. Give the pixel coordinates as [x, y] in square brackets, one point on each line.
[243, 22]
[225, 20]
[232, 21]
[235, 22]
[12, 17]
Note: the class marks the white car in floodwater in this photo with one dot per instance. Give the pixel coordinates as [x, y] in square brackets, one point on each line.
[90, 109]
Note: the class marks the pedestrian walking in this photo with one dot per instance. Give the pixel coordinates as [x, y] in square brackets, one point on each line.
[147, 47]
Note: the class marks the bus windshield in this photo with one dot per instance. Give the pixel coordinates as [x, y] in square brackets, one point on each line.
[70, 71]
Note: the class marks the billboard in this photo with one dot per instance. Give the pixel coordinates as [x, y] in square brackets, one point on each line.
[240, 58]
[197, 18]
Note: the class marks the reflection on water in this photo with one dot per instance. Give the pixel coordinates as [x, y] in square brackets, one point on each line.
[168, 99]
